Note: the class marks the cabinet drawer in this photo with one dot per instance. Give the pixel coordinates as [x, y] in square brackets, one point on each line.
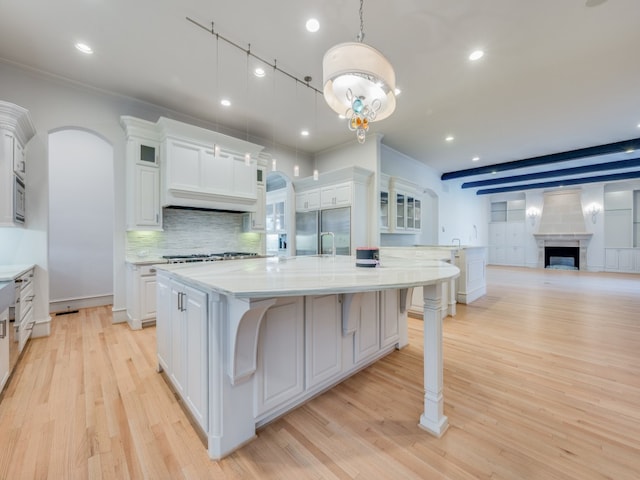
[146, 270]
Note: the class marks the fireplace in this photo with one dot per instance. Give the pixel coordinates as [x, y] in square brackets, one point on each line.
[562, 258]
[563, 246]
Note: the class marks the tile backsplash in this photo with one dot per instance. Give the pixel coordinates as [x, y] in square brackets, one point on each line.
[194, 231]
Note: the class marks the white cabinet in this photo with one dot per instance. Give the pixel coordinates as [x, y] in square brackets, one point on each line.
[400, 206]
[389, 324]
[366, 339]
[335, 195]
[4, 347]
[16, 129]
[308, 200]
[622, 260]
[141, 295]
[280, 363]
[507, 233]
[24, 308]
[143, 175]
[257, 221]
[182, 344]
[323, 345]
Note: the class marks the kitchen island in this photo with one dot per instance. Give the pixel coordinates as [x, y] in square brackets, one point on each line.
[244, 342]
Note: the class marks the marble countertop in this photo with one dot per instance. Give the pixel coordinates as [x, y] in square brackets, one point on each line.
[309, 275]
[134, 260]
[9, 273]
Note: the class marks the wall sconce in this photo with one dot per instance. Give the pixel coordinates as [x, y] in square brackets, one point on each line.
[533, 213]
[593, 209]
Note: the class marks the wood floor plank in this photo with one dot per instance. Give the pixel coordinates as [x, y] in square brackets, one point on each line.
[541, 381]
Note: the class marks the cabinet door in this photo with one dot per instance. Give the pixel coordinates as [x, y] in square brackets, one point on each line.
[328, 196]
[389, 313]
[611, 258]
[195, 356]
[384, 210]
[515, 233]
[4, 347]
[417, 209]
[323, 338]
[177, 364]
[163, 324]
[367, 336]
[625, 259]
[147, 196]
[19, 159]
[313, 199]
[400, 211]
[618, 228]
[498, 234]
[148, 301]
[280, 368]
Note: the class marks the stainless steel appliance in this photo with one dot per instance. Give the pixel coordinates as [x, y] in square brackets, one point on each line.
[209, 257]
[18, 200]
[309, 225]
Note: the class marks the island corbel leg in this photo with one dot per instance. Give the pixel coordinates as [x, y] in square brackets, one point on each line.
[433, 419]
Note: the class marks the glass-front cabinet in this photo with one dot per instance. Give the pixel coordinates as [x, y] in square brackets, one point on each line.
[400, 206]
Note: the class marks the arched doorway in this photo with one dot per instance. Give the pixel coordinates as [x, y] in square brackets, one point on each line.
[81, 220]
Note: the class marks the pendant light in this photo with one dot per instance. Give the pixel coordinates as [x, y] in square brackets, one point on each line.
[359, 83]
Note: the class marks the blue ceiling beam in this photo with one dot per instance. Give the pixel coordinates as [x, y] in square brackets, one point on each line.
[617, 147]
[561, 183]
[564, 172]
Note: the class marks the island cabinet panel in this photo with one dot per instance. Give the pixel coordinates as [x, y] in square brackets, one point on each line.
[367, 335]
[185, 351]
[280, 364]
[323, 342]
[389, 323]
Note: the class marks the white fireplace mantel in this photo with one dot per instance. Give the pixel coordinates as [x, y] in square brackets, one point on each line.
[580, 240]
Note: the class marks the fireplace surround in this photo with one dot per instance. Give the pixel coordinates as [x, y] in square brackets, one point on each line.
[577, 241]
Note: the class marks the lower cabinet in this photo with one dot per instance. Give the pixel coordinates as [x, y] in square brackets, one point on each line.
[366, 339]
[280, 362]
[622, 260]
[141, 295]
[4, 348]
[182, 344]
[323, 346]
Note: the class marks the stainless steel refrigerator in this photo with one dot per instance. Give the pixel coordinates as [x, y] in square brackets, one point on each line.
[309, 225]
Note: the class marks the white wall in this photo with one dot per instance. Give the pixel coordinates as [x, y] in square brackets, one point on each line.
[81, 218]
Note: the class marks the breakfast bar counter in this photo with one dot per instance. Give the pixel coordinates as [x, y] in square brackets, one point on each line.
[244, 342]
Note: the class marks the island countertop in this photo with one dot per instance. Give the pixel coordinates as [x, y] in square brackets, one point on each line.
[309, 275]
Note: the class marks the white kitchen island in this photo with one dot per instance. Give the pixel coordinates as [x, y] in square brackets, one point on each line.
[244, 342]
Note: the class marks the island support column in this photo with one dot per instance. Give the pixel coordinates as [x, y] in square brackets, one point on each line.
[433, 419]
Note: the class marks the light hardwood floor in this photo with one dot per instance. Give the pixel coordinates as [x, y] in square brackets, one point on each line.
[541, 381]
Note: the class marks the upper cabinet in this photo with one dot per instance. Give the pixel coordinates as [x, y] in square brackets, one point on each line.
[143, 174]
[400, 206]
[171, 163]
[205, 169]
[16, 129]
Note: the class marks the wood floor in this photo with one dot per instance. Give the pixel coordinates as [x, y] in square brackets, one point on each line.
[541, 381]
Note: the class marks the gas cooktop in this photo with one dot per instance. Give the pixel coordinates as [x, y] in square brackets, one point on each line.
[208, 257]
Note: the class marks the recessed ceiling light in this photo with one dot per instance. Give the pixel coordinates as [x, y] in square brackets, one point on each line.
[313, 25]
[476, 55]
[84, 48]
[304, 133]
[449, 138]
[629, 150]
[259, 72]
[397, 91]
[475, 159]
[225, 103]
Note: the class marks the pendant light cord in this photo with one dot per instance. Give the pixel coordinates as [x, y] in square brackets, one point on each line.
[361, 34]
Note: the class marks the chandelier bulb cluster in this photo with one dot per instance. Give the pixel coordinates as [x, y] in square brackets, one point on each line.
[359, 83]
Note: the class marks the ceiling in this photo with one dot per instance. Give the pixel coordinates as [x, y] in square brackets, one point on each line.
[556, 75]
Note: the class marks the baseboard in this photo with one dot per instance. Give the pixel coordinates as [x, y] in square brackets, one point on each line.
[70, 304]
[42, 327]
[119, 315]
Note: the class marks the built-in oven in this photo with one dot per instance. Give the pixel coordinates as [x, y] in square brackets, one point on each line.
[18, 200]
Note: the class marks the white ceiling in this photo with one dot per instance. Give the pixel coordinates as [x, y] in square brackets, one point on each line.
[557, 74]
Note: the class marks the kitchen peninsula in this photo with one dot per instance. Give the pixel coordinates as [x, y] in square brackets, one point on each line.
[244, 342]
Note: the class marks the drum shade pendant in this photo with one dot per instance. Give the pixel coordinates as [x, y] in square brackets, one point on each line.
[359, 83]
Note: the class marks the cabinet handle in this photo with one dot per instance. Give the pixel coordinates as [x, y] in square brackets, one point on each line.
[153, 270]
[157, 218]
[4, 328]
[179, 301]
